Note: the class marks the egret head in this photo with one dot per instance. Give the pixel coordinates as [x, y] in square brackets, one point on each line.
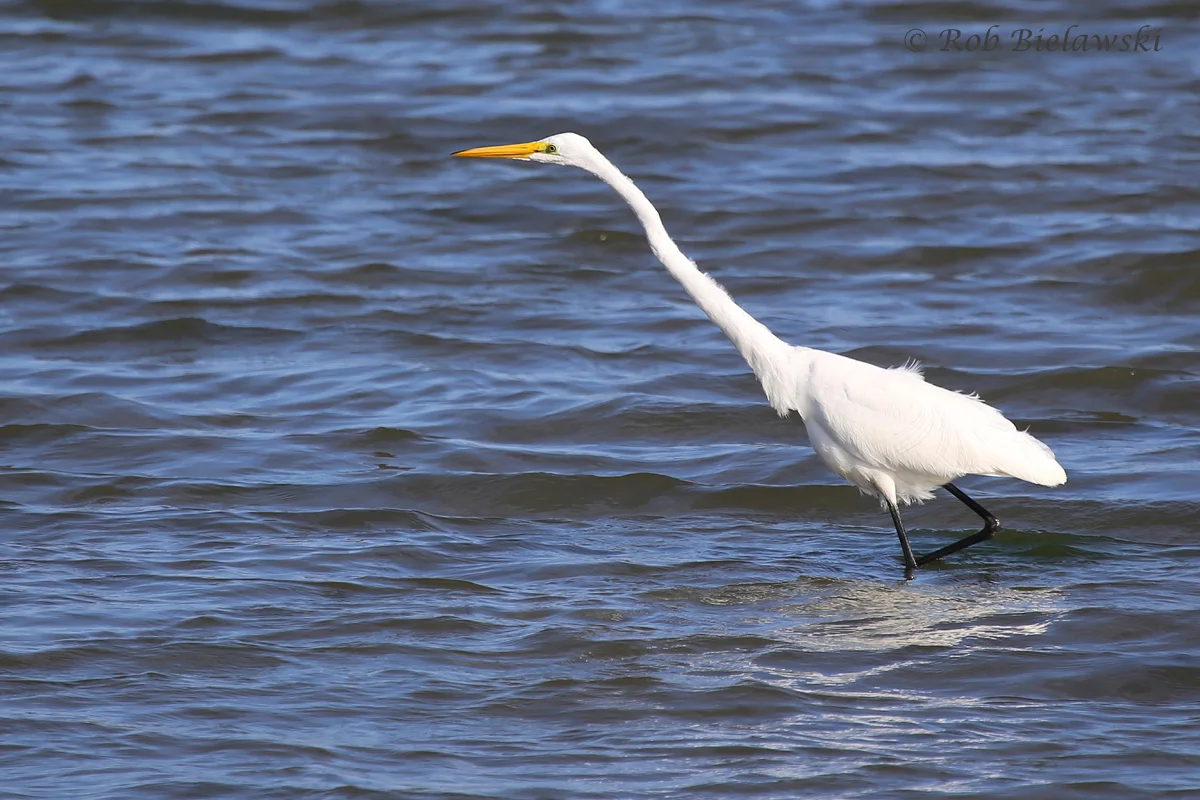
[570, 149]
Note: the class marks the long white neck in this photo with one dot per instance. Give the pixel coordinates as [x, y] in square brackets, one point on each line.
[765, 352]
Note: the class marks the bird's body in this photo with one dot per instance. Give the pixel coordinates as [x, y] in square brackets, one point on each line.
[895, 436]
[886, 431]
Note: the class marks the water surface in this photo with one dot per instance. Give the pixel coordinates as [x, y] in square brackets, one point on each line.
[334, 467]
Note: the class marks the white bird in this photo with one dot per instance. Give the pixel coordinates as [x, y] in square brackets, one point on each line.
[886, 431]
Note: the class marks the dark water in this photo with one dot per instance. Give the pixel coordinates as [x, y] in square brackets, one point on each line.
[337, 468]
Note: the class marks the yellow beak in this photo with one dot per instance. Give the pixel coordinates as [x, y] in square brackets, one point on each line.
[521, 151]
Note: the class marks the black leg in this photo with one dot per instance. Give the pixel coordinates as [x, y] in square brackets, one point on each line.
[910, 563]
[990, 526]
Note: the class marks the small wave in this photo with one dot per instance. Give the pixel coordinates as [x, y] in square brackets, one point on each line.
[183, 332]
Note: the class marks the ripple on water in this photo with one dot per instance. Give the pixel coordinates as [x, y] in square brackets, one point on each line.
[335, 467]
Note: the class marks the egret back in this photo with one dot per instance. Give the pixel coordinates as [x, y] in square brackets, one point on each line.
[867, 422]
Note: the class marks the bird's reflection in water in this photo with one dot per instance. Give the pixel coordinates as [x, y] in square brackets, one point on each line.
[885, 617]
[831, 616]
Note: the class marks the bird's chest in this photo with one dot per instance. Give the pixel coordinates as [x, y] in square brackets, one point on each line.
[834, 453]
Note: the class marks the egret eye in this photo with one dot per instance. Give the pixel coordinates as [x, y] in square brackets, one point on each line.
[551, 149]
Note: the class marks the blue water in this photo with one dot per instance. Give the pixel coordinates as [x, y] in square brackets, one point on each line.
[334, 467]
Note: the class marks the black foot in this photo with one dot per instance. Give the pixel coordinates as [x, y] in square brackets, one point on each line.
[990, 526]
[910, 563]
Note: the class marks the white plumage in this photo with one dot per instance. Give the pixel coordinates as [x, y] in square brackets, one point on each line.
[890, 433]
[886, 431]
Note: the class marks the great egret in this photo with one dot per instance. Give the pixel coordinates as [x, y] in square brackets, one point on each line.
[886, 431]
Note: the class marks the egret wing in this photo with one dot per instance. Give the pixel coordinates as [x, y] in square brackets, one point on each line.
[891, 419]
